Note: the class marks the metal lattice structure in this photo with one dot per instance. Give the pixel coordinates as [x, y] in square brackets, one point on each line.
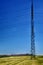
[32, 32]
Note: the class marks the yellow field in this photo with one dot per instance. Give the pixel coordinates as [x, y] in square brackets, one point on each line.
[20, 60]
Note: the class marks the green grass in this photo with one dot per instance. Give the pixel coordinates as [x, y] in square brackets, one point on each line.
[20, 60]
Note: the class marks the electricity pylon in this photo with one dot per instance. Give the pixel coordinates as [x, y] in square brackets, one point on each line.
[32, 32]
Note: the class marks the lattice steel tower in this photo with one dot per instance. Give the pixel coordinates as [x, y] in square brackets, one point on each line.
[32, 32]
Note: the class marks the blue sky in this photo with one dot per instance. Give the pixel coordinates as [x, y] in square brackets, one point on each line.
[15, 26]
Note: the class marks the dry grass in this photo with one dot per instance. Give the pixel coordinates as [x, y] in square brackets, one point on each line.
[20, 60]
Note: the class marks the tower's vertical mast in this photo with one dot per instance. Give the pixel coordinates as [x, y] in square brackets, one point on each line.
[32, 32]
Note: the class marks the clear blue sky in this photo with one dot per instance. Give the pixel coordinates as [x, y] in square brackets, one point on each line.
[15, 26]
